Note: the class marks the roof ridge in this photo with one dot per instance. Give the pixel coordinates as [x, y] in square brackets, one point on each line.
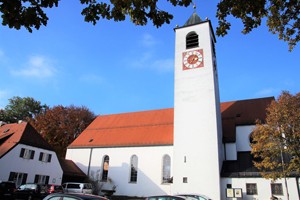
[239, 100]
[119, 127]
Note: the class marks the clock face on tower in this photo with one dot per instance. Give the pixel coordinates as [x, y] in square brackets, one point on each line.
[192, 59]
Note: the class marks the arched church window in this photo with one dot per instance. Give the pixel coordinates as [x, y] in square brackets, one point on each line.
[166, 170]
[105, 166]
[133, 168]
[192, 40]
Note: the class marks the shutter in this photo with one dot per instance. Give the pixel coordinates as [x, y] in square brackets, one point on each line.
[11, 176]
[36, 178]
[32, 154]
[47, 180]
[24, 180]
[41, 156]
[22, 152]
[49, 157]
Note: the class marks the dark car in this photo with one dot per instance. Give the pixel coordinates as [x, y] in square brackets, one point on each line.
[51, 188]
[30, 191]
[196, 196]
[73, 196]
[165, 197]
[7, 189]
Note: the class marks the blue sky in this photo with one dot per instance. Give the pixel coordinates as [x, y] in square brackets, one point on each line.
[117, 67]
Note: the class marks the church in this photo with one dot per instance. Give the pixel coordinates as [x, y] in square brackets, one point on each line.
[200, 146]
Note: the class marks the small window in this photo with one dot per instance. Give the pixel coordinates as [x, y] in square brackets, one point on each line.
[192, 40]
[26, 153]
[41, 179]
[251, 188]
[276, 189]
[18, 178]
[133, 169]
[185, 180]
[105, 167]
[166, 170]
[45, 157]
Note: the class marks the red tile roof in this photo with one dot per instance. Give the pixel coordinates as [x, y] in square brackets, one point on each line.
[155, 127]
[243, 112]
[20, 133]
[129, 129]
[70, 168]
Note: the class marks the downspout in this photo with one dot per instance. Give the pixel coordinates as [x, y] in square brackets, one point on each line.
[89, 166]
[298, 185]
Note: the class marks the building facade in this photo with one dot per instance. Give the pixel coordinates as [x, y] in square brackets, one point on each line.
[25, 157]
[199, 146]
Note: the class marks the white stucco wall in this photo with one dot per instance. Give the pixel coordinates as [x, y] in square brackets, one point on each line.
[242, 142]
[149, 181]
[197, 153]
[231, 152]
[243, 137]
[12, 162]
[263, 188]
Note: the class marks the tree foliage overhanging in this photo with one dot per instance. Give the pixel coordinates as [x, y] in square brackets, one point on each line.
[282, 16]
[276, 144]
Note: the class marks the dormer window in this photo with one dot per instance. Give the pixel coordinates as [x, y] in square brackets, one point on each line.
[192, 40]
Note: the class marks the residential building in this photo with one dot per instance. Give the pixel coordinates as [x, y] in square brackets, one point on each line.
[25, 157]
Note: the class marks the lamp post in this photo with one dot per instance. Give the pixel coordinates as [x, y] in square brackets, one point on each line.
[283, 170]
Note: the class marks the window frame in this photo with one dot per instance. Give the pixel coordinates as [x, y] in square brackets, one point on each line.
[192, 40]
[105, 167]
[133, 169]
[27, 153]
[251, 189]
[166, 170]
[41, 179]
[18, 178]
[274, 191]
[45, 157]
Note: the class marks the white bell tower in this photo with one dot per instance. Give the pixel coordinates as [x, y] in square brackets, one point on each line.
[198, 153]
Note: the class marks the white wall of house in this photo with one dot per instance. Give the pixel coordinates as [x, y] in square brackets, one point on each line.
[149, 180]
[242, 142]
[263, 188]
[12, 162]
[231, 153]
[243, 137]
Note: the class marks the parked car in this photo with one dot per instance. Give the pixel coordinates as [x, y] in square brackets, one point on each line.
[30, 191]
[73, 196]
[165, 197]
[7, 189]
[196, 196]
[73, 187]
[51, 188]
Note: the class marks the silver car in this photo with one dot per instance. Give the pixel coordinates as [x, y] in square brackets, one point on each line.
[73, 187]
[77, 196]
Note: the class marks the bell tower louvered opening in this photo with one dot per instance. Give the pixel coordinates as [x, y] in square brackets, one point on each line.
[192, 40]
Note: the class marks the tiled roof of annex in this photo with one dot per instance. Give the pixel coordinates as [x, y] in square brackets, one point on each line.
[155, 127]
[20, 133]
